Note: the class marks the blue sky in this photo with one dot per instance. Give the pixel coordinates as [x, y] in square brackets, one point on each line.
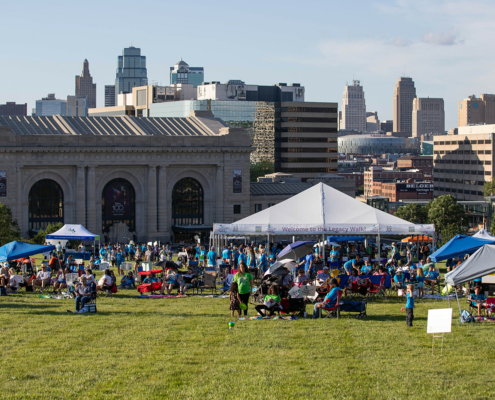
[445, 46]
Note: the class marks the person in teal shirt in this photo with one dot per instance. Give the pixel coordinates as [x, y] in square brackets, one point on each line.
[242, 256]
[431, 277]
[330, 299]
[334, 255]
[478, 300]
[212, 257]
[226, 255]
[410, 305]
[262, 262]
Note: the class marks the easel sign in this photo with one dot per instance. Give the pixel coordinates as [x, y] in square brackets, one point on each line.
[439, 323]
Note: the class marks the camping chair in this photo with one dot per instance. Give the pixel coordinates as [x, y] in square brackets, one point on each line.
[333, 309]
[474, 310]
[293, 306]
[209, 282]
[226, 284]
[377, 290]
[490, 306]
[360, 288]
[92, 303]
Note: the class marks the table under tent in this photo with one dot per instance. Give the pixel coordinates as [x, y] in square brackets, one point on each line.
[318, 212]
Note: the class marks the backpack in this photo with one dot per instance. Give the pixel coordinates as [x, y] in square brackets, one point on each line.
[466, 316]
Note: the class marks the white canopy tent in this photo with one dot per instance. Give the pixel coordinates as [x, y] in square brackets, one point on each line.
[319, 210]
[73, 232]
[483, 235]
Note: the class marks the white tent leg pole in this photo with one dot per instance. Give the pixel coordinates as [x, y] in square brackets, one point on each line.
[379, 250]
[448, 298]
[458, 301]
[293, 239]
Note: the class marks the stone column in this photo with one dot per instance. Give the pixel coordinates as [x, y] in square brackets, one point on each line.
[80, 196]
[152, 209]
[91, 196]
[220, 216]
[20, 202]
[163, 205]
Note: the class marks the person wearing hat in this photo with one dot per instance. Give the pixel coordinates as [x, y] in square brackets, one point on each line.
[127, 281]
[43, 279]
[399, 279]
[323, 275]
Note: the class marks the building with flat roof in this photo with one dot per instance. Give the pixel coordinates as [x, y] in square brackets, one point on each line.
[428, 117]
[464, 162]
[50, 105]
[404, 94]
[475, 111]
[387, 126]
[125, 178]
[11, 108]
[77, 106]
[353, 108]
[372, 121]
[183, 73]
[421, 163]
[131, 71]
[377, 174]
[109, 95]
[85, 86]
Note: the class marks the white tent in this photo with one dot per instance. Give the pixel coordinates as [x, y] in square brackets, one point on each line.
[321, 210]
[73, 232]
[483, 235]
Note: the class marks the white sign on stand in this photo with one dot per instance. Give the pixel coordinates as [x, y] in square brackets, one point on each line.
[439, 323]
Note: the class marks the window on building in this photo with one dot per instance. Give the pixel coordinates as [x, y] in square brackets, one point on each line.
[237, 208]
[271, 204]
[258, 207]
[118, 204]
[46, 204]
[187, 203]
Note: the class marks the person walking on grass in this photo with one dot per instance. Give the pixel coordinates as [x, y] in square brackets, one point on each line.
[410, 305]
[235, 300]
[244, 281]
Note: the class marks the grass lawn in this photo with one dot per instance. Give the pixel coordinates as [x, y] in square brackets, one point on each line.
[182, 348]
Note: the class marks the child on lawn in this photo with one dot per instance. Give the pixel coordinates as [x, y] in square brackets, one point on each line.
[235, 300]
[410, 305]
[421, 282]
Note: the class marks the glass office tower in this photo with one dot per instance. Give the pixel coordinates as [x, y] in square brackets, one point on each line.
[131, 71]
[183, 73]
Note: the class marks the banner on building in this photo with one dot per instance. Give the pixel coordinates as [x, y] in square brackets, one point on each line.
[118, 200]
[3, 183]
[420, 188]
[237, 180]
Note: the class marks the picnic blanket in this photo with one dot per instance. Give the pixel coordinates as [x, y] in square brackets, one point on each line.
[216, 296]
[258, 317]
[374, 279]
[55, 296]
[484, 319]
[160, 296]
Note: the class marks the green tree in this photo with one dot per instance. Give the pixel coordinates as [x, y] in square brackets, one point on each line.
[489, 188]
[40, 236]
[260, 169]
[413, 212]
[449, 232]
[9, 229]
[447, 215]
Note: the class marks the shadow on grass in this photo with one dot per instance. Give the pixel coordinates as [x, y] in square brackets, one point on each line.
[17, 305]
[391, 318]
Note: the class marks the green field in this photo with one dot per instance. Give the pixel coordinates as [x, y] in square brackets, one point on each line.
[182, 349]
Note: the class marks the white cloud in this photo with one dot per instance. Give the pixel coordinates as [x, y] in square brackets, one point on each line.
[442, 38]
[401, 42]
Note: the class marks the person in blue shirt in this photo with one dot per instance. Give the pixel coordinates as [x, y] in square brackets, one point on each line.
[351, 264]
[478, 300]
[241, 256]
[198, 252]
[334, 255]
[103, 253]
[226, 255]
[151, 279]
[127, 282]
[308, 262]
[431, 277]
[399, 279]
[235, 256]
[330, 299]
[262, 264]
[410, 305]
[119, 257]
[366, 268]
[212, 257]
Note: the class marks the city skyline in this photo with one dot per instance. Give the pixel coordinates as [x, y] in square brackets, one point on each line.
[433, 43]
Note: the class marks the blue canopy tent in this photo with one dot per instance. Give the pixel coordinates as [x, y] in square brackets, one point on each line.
[15, 250]
[345, 239]
[458, 246]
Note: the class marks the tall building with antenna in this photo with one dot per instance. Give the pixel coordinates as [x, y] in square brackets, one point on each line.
[85, 86]
[404, 95]
[131, 71]
[353, 108]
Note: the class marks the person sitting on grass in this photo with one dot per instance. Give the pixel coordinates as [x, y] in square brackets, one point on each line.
[478, 300]
[271, 301]
[83, 294]
[235, 300]
[189, 280]
[399, 280]
[431, 277]
[43, 279]
[171, 282]
[128, 281]
[14, 281]
[60, 280]
[151, 279]
[4, 275]
[330, 299]
[105, 282]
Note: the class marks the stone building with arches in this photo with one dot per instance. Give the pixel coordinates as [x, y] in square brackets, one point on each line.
[125, 178]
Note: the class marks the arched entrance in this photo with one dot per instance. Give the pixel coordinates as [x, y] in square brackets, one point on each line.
[118, 204]
[187, 208]
[46, 204]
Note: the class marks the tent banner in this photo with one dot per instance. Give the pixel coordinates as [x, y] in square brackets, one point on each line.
[341, 229]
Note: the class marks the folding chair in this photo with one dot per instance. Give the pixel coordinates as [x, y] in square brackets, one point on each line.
[226, 284]
[377, 290]
[333, 310]
[209, 282]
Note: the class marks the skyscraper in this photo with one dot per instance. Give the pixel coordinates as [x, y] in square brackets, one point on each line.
[428, 117]
[85, 86]
[131, 71]
[109, 95]
[353, 108]
[404, 94]
[183, 73]
[473, 110]
[50, 105]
